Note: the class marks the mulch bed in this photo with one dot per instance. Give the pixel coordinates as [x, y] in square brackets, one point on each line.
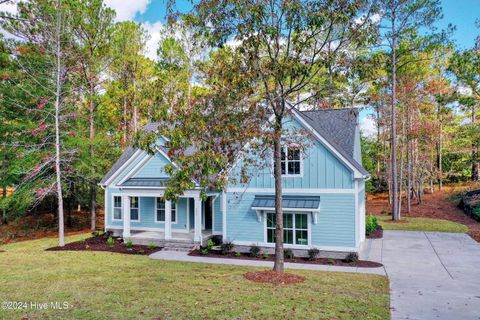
[100, 244]
[322, 261]
[2, 251]
[396, 221]
[377, 234]
[438, 205]
[274, 277]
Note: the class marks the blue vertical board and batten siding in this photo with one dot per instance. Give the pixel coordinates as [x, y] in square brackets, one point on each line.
[217, 215]
[336, 224]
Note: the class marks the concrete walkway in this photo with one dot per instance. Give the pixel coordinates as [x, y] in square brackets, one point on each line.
[183, 256]
[433, 275]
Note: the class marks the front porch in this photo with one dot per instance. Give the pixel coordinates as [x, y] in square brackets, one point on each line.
[178, 238]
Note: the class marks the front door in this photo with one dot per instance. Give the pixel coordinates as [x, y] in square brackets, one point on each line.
[208, 213]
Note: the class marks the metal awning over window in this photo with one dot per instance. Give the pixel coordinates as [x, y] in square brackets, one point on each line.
[299, 203]
[145, 182]
[263, 203]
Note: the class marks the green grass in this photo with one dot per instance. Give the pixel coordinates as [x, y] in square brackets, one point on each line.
[100, 285]
[422, 224]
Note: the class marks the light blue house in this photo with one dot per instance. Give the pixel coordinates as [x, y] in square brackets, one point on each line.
[323, 188]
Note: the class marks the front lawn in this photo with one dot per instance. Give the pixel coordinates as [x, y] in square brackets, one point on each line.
[100, 285]
[421, 224]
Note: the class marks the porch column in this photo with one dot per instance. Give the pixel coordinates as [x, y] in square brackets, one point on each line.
[197, 207]
[126, 216]
[168, 219]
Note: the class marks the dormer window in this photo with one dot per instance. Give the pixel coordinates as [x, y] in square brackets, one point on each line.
[292, 162]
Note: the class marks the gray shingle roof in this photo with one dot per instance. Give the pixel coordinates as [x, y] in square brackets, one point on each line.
[145, 182]
[338, 127]
[289, 202]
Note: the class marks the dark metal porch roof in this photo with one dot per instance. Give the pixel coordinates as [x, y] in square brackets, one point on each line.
[288, 202]
[145, 182]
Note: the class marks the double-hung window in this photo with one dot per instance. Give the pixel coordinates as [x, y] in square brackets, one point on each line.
[295, 228]
[291, 161]
[117, 208]
[160, 212]
[134, 209]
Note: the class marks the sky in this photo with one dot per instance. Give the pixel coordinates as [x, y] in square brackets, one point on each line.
[151, 13]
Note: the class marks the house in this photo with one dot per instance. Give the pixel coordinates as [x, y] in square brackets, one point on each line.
[323, 194]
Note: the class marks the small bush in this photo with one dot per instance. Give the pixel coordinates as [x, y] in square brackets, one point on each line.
[238, 254]
[266, 255]
[371, 224]
[226, 247]
[476, 213]
[288, 253]
[110, 242]
[204, 251]
[254, 251]
[210, 244]
[107, 234]
[313, 253]
[129, 244]
[152, 246]
[331, 261]
[351, 257]
[217, 239]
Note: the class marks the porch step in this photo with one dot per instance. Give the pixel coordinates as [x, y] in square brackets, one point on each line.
[178, 246]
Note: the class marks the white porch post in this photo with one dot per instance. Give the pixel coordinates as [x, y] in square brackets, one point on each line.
[168, 219]
[126, 216]
[224, 215]
[198, 219]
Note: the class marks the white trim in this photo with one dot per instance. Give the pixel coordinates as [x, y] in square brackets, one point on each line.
[135, 169]
[148, 229]
[289, 175]
[126, 216]
[188, 213]
[334, 151]
[156, 208]
[213, 213]
[224, 216]
[269, 209]
[159, 193]
[126, 164]
[130, 210]
[291, 190]
[357, 224]
[113, 195]
[294, 229]
[292, 246]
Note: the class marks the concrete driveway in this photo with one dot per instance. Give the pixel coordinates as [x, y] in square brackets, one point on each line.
[433, 275]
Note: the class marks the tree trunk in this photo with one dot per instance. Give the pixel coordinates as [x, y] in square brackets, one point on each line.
[93, 185]
[4, 190]
[124, 125]
[61, 235]
[277, 149]
[393, 151]
[439, 150]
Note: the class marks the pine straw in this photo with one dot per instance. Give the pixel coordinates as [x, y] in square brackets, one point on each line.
[274, 277]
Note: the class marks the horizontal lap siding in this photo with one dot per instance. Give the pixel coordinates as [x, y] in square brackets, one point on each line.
[335, 227]
[155, 167]
[242, 224]
[336, 221]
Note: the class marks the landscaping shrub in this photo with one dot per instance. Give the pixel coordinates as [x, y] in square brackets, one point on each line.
[129, 244]
[210, 244]
[313, 253]
[238, 254]
[107, 234]
[266, 255]
[254, 251]
[351, 257]
[152, 246]
[204, 251]
[110, 241]
[288, 253]
[371, 224]
[226, 247]
[476, 213]
[217, 239]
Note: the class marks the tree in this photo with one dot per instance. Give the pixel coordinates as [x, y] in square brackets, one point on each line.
[284, 53]
[466, 68]
[400, 19]
[93, 28]
[46, 32]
